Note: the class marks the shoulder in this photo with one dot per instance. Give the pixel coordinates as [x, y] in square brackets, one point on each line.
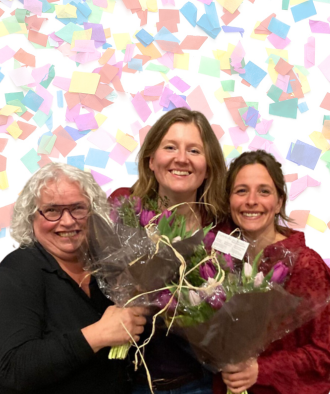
[122, 191]
[24, 264]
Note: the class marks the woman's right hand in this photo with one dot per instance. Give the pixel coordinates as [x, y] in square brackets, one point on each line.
[110, 331]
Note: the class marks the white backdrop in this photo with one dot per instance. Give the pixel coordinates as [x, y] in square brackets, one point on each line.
[122, 114]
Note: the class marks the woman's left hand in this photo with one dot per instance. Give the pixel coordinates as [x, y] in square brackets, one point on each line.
[240, 377]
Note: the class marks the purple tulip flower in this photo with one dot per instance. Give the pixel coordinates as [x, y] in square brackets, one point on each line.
[165, 213]
[280, 273]
[146, 216]
[217, 299]
[116, 203]
[208, 240]
[163, 299]
[207, 270]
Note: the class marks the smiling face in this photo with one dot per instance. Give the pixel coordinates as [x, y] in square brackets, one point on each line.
[63, 237]
[254, 202]
[179, 163]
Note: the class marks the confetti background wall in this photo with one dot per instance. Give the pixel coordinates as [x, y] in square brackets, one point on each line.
[83, 81]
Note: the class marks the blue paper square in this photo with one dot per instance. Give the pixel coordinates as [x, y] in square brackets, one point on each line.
[1, 76]
[75, 134]
[279, 28]
[165, 35]
[32, 100]
[144, 37]
[135, 64]
[253, 74]
[2, 233]
[304, 154]
[76, 161]
[209, 22]
[131, 167]
[303, 10]
[171, 105]
[60, 99]
[97, 158]
[106, 45]
[252, 117]
[303, 107]
[189, 11]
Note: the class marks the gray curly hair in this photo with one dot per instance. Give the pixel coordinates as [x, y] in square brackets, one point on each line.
[26, 204]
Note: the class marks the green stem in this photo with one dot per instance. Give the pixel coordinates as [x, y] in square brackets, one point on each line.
[119, 352]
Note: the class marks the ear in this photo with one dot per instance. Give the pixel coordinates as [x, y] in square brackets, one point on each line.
[279, 205]
[151, 163]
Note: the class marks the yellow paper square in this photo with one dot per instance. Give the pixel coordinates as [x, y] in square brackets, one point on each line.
[66, 11]
[319, 141]
[220, 94]
[152, 5]
[272, 72]
[227, 149]
[82, 82]
[100, 118]
[9, 109]
[120, 134]
[231, 5]
[181, 61]
[295, 2]
[3, 180]
[304, 82]
[14, 130]
[3, 30]
[143, 4]
[81, 35]
[260, 37]
[111, 6]
[127, 142]
[24, 29]
[316, 223]
[164, 76]
[121, 40]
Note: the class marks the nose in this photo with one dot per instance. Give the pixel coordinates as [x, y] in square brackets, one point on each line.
[66, 218]
[181, 156]
[252, 198]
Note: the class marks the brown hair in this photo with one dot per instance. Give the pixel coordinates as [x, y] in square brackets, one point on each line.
[274, 170]
[212, 189]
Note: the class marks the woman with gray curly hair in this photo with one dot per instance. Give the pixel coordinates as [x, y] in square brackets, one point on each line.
[56, 326]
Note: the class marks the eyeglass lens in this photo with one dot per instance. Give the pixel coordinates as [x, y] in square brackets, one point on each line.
[55, 213]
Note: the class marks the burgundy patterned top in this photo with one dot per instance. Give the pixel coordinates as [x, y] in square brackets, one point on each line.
[299, 363]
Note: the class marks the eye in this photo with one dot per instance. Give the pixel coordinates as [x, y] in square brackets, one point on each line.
[240, 191]
[169, 147]
[51, 210]
[195, 151]
[265, 192]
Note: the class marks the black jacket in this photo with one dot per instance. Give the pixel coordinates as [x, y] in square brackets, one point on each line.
[42, 349]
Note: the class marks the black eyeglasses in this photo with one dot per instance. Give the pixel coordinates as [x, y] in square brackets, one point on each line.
[54, 213]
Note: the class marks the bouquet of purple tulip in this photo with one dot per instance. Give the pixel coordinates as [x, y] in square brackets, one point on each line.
[225, 309]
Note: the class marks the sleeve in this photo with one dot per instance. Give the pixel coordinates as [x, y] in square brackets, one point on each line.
[300, 362]
[29, 359]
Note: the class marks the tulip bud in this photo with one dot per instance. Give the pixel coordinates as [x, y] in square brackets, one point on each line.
[146, 216]
[194, 298]
[280, 273]
[217, 299]
[229, 261]
[208, 240]
[207, 270]
[247, 270]
[259, 278]
[163, 299]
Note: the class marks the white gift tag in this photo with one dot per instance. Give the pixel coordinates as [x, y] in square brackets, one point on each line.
[230, 245]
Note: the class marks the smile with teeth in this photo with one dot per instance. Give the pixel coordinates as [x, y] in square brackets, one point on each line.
[177, 172]
[68, 234]
[251, 214]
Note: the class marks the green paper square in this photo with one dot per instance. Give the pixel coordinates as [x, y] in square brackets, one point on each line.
[286, 108]
[209, 66]
[156, 67]
[274, 93]
[17, 103]
[13, 96]
[228, 86]
[11, 24]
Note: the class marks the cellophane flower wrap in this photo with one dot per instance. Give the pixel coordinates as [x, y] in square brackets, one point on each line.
[227, 310]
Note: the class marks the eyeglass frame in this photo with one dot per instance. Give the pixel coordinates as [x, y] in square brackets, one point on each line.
[63, 209]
